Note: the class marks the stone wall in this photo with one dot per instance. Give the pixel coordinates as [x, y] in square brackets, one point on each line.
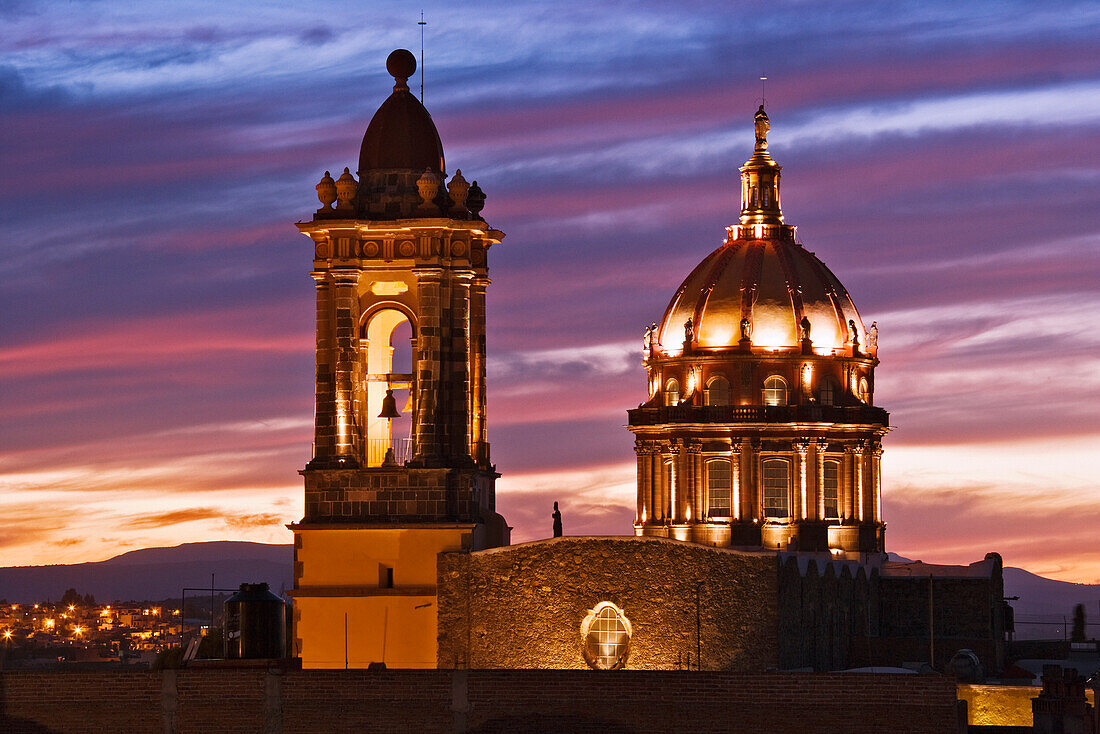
[824, 606]
[396, 495]
[522, 606]
[482, 702]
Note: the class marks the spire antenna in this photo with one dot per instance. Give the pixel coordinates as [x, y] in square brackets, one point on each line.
[763, 99]
[422, 23]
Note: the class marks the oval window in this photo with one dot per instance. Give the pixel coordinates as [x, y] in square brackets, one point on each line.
[605, 636]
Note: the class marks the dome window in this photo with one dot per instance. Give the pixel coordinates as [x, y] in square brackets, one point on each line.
[718, 488]
[775, 391]
[827, 392]
[672, 393]
[717, 391]
[864, 391]
[777, 480]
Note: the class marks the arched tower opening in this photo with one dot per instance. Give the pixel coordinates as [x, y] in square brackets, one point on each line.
[387, 346]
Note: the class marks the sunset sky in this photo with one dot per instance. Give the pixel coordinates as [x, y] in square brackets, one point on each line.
[156, 311]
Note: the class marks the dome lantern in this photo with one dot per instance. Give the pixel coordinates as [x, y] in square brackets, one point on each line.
[760, 180]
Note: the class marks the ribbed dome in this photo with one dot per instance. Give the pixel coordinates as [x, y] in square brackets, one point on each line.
[771, 282]
[401, 135]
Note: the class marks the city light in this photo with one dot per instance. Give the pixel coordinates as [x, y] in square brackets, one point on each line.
[77, 630]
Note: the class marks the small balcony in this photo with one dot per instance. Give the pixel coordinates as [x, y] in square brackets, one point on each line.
[811, 413]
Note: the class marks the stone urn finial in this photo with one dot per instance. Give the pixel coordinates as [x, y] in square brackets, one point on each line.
[428, 186]
[326, 191]
[458, 189]
[346, 188]
[475, 200]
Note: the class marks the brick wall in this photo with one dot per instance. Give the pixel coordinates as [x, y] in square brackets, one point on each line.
[522, 606]
[425, 702]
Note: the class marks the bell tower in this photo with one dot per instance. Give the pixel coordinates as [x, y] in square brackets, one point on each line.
[400, 468]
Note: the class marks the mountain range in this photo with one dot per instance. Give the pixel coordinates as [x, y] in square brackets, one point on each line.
[161, 573]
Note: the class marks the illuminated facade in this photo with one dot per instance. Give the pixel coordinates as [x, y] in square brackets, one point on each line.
[760, 428]
[401, 468]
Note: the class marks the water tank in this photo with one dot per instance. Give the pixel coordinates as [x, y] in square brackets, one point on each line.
[255, 624]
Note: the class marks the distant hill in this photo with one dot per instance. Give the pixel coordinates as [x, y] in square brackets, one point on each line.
[155, 573]
[160, 573]
[1043, 596]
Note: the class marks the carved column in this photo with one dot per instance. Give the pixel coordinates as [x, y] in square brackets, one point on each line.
[455, 361]
[480, 448]
[876, 480]
[428, 451]
[860, 477]
[346, 370]
[324, 414]
[678, 501]
[735, 480]
[657, 484]
[801, 497]
[820, 448]
[698, 484]
[750, 489]
[848, 483]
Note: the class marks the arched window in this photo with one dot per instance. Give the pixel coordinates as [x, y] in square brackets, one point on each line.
[826, 394]
[777, 476]
[718, 488]
[672, 392]
[718, 391]
[775, 391]
[831, 489]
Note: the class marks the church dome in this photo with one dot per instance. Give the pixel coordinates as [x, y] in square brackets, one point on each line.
[772, 283]
[761, 289]
[401, 135]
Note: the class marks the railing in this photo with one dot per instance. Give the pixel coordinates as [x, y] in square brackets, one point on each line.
[377, 447]
[758, 414]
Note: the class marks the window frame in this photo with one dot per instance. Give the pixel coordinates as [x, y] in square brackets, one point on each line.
[670, 383]
[709, 467]
[708, 397]
[825, 489]
[765, 390]
[764, 488]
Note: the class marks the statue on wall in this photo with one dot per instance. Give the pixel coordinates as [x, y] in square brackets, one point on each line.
[647, 338]
[557, 521]
[689, 334]
[805, 324]
[872, 335]
[746, 329]
[853, 333]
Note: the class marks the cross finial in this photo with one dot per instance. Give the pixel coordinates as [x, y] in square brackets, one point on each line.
[422, 23]
[763, 99]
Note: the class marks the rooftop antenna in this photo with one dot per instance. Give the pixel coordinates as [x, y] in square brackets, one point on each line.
[422, 23]
[763, 79]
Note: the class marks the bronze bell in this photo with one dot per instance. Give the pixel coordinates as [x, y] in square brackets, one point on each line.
[389, 406]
